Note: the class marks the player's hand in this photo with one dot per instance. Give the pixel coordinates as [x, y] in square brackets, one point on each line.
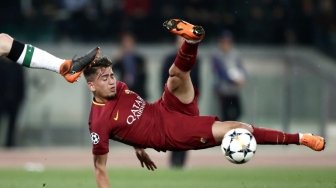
[144, 159]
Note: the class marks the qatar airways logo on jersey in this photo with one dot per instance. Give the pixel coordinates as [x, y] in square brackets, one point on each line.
[136, 110]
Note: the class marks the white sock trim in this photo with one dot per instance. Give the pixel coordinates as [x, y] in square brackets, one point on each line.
[300, 136]
[41, 60]
[193, 41]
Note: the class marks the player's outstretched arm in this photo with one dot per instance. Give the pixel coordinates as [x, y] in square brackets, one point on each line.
[144, 159]
[101, 171]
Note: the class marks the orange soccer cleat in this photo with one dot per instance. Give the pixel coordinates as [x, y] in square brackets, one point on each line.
[186, 30]
[314, 142]
[72, 69]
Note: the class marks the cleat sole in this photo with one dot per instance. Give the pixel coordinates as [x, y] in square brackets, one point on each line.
[184, 29]
[198, 31]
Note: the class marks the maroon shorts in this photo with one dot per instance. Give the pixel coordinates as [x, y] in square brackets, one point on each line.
[184, 128]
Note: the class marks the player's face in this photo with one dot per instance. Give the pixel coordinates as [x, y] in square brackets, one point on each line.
[104, 86]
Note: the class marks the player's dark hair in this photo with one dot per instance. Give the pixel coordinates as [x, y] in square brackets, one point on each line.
[91, 70]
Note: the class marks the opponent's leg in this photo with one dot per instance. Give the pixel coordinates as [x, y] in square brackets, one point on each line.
[5, 44]
[265, 136]
[32, 57]
[179, 81]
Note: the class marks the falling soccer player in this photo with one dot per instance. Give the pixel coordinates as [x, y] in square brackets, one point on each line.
[171, 123]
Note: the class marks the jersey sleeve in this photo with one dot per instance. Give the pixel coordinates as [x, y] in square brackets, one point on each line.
[100, 142]
[99, 138]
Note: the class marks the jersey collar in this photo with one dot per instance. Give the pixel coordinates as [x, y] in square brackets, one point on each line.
[97, 103]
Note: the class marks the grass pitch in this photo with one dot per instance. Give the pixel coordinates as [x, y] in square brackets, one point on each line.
[167, 178]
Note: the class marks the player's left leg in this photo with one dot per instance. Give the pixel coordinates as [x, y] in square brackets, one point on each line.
[179, 82]
[33, 57]
[265, 136]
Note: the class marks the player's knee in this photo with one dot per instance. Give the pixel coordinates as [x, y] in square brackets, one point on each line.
[174, 70]
[173, 82]
[236, 124]
[178, 79]
[219, 129]
[5, 43]
[245, 126]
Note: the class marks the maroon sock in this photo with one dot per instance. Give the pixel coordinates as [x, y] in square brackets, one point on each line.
[186, 56]
[270, 136]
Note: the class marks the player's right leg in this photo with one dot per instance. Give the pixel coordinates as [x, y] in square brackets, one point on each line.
[265, 136]
[179, 81]
[32, 57]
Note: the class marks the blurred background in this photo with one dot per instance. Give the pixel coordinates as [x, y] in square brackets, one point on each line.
[287, 49]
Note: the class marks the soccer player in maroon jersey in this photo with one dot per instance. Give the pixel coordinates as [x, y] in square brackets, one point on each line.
[170, 123]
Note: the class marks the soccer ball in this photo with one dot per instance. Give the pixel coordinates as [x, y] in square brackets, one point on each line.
[239, 145]
[94, 138]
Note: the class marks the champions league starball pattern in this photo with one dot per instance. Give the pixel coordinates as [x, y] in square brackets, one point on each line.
[239, 145]
[94, 138]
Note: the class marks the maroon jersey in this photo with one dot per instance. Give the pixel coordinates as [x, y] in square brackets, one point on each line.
[164, 125]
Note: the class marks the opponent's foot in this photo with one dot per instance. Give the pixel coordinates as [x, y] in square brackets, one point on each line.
[72, 69]
[314, 142]
[186, 30]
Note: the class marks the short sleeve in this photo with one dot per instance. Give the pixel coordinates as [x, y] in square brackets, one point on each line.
[100, 142]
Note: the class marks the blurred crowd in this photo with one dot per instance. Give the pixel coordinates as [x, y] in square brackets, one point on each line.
[252, 21]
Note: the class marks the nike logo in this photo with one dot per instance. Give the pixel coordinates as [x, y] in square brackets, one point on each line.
[117, 116]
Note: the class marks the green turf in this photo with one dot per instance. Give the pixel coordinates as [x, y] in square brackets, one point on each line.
[164, 178]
